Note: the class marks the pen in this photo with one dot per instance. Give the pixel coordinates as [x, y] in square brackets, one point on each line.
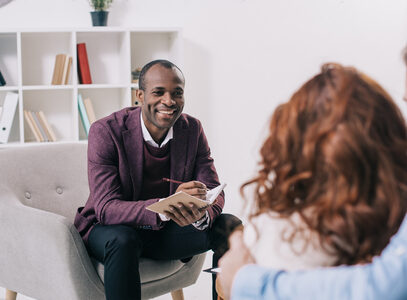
[172, 180]
[175, 181]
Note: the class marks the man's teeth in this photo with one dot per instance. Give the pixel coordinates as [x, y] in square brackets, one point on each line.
[166, 112]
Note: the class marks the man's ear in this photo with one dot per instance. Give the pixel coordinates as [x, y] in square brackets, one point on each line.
[140, 96]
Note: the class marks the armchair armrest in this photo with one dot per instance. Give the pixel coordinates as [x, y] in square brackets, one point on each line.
[42, 254]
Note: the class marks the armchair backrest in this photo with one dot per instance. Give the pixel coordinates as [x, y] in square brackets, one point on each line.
[51, 177]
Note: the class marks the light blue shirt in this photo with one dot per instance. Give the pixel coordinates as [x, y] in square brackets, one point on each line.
[385, 278]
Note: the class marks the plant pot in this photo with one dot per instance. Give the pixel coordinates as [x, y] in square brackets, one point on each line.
[99, 18]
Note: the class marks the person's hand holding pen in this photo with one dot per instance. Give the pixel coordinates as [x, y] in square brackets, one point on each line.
[182, 214]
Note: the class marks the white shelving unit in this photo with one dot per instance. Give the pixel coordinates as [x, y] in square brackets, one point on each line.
[27, 60]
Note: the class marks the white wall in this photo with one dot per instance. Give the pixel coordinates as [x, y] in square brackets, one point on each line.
[243, 57]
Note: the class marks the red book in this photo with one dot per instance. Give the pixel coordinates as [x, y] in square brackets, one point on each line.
[83, 64]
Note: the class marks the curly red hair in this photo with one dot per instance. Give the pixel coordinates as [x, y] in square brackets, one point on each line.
[337, 149]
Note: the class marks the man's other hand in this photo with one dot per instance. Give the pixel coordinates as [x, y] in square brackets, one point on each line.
[185, 215]
[193, 188]
[231, 262]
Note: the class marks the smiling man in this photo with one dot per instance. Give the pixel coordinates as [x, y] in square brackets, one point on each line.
[129, 154]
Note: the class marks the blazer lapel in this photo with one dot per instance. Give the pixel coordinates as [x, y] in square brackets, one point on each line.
[133, 145]
[179, 146]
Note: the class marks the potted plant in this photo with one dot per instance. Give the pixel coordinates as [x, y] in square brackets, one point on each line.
[100, 13]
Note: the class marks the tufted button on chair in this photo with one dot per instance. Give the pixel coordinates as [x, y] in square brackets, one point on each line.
[41, 252]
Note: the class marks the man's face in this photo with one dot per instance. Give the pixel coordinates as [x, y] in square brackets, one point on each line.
[162, 101]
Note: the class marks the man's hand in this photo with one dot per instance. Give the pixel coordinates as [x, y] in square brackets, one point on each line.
[185, 215]
[237, 256]
[193, 188]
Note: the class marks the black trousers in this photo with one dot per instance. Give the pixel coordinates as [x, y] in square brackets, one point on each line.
[119, 248]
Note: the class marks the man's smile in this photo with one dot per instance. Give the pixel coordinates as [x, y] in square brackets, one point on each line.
[167, 112]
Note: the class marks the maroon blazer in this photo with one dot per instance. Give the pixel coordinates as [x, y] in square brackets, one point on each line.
[115, 170]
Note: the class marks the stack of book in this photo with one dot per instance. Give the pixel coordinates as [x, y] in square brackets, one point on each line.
[86, 112]
[39, 126]
[62, 67]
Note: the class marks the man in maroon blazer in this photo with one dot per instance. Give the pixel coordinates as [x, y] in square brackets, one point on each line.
[129, 154]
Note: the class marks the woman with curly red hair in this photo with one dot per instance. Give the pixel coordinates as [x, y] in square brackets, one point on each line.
[332, 184]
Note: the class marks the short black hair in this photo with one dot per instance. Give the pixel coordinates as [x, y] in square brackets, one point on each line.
[162, 62]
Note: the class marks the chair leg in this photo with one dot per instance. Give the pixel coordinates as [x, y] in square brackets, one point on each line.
[11, 295]
[177, 295]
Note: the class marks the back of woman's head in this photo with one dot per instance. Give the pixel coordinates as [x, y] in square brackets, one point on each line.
[337, 154]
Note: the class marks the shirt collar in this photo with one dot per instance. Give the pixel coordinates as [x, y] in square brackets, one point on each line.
[147, 136]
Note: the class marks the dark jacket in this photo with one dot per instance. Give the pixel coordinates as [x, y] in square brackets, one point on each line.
[115, 169]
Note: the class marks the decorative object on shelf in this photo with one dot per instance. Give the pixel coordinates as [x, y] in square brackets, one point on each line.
[99, 16]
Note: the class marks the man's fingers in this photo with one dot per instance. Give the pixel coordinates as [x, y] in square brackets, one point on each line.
[176, 216]
[197, 212]
[196, 192]
[186, 213]
[193, 184]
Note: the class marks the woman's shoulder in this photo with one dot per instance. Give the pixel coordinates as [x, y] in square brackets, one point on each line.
[284, 242]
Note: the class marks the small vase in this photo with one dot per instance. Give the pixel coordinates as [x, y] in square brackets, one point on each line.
[99, 18]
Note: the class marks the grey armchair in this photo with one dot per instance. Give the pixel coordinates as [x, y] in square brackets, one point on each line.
[41, 253]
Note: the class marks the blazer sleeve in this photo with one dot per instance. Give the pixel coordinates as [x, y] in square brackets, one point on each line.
[205, 172]
[105, 184]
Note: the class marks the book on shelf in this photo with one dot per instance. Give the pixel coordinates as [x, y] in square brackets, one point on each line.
[37, 131]
[83, 114]
[39, 126]
[67, 69]
[44, 137]
[61, 69]
[89, 110]
[30, 121]
[2, 81]
[58, 68]
[83, 64]
[48, 129]
[7, 115]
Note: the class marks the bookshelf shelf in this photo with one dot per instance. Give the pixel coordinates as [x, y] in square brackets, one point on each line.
[9, 88]
[46, 87]
[102, 86]
[27, 59]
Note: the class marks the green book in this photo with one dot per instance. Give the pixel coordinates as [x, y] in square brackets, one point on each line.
[83, 114]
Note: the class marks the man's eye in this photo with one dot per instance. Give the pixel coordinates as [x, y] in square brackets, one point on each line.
[157, 93]
[178, 94]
